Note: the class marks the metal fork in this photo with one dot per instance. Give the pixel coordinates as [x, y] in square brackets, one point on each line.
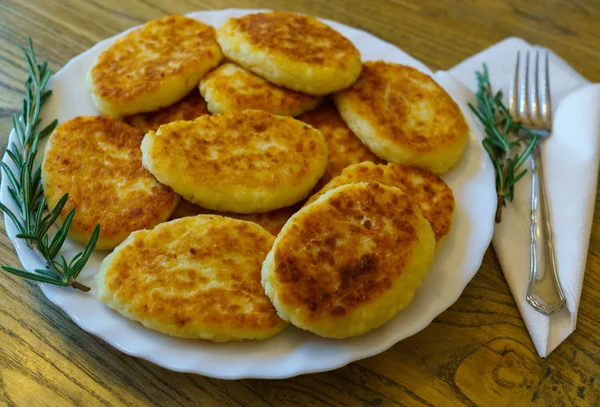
[534, 111]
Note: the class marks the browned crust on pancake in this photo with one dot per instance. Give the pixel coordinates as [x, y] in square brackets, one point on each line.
[79, 161]
[159, 282]
[112, 74]
[297, 37]
[320, 264]
[273, 161]
[388, 96]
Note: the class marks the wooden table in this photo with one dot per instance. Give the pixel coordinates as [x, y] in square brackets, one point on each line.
[476, 353]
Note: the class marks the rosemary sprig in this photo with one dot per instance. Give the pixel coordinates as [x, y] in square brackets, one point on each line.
[504, 138]
[25, 187]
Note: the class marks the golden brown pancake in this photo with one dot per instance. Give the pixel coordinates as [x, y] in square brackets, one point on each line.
[295, 51]
[433, 196]
[231, 88]
[195, 277]
[153, 66]
[98, 162]
[348, 262]
[403, 116]
[242, 162]
[344, 147]
[271, 221]
[188, 108]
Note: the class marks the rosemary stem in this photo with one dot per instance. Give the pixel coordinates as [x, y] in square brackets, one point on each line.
[501, 192]
[79, 286]
[503, 163]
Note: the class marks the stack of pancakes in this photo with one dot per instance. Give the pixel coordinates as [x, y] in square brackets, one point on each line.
[269, 126]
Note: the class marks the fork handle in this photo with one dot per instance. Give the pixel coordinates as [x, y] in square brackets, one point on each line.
[544, 292]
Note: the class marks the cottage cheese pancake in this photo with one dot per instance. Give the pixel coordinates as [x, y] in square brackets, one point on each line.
[271, 221]
[231, 88]
[350, 261]
[195, 277]
[189, 108]
[98, 162]
[242, 162]
[433, 196]
[403, 116]
[344, 147]
[153, 66]
[295, 51]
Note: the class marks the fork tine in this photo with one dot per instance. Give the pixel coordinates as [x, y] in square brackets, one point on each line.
[524, 92]
[546, 102]
[534, 101]
[514, 89]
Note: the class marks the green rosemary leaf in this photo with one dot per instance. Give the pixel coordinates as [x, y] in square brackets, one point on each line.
[30, 68]
[487, 145]
[28, 98]
[30, 43]
[48, 130]
[496, 141]
[89, 248]
[14, 195]
[10, 175]
[485, 72]
[523, 156]
[44, 67]
[37, 190]
[28, 236]
[33, 276]
[74, 260]
[45, 97]
[17, 128]
[36, 112]
[510, 172]
[39, 216]
[38, 199]
[28, 111]
[16, 159]
[61, 235]
[63, 263]
[508, 123]
[53, 216]
[500, 175]
[45, 74]
[500, 139]
[50, 273]
[25, 171]
[499, 97]
[514, 180]
[12, 217]
[509, 168]
[477, 113]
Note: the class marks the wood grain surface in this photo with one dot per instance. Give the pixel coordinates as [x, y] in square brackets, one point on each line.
[477, 353]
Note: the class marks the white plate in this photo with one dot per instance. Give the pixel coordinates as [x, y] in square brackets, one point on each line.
[293, 352]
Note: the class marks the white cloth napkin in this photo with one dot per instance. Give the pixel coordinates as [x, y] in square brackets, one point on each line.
[571, 159]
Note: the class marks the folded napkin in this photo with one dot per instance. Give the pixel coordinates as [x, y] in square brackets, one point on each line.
[571, 157]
